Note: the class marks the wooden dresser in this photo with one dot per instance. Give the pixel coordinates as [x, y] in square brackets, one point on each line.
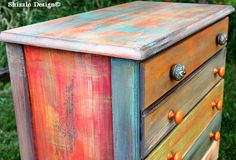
[141, 80]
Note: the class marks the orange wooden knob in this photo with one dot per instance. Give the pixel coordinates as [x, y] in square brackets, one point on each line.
[215, 136]
[178, 116]
[176, 156]
[218, 105]
[220, 71]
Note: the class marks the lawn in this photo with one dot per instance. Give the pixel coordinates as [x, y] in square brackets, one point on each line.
[10, 18]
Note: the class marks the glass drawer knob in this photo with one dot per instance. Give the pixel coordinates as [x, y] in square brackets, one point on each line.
[222, 39]
[178, 72]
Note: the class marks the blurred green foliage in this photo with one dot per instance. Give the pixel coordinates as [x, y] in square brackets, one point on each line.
[9, 149]
[15, 17]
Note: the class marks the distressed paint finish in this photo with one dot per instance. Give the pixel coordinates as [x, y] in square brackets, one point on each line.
[133, 30]
[19, 83]
[186, 133]
[204, 142]
[191, 52]
[125, 108]
[213, 152]
[156, 125]
[70, 103]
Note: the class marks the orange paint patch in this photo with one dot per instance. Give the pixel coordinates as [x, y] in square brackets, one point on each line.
[71, 104]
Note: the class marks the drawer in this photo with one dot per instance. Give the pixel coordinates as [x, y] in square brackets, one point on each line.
[186, 133]
[213, 152]
[155, 123]
[191, 52]
[204, 142]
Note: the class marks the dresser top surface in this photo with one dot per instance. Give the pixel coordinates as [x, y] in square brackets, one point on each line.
[135, 30]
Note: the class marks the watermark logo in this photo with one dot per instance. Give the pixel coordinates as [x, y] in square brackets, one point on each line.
[48, 5]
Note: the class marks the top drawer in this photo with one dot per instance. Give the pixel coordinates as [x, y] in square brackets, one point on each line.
[191, 53]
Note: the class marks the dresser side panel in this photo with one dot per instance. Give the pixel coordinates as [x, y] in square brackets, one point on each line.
[125, 108]
[71, 104]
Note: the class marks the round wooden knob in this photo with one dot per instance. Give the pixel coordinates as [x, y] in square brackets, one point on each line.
[176, 156]
[178, 116]
[215, 136]
[220, 71]
[218, 105]
[221, 39]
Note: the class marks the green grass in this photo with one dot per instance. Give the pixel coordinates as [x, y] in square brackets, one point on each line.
[228, 129]
[10, 18]
[9, 149]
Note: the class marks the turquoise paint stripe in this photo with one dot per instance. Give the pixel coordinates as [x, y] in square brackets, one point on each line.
[130, 29]
[83, 18]
[94, 15]
[119, 28]
[80, 19]
[125, 108]
[75, 21]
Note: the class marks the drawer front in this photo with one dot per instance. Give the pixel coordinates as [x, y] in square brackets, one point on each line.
[155, 124]
[203, 143]
[186, 133]
[191, 52]
[213, 152]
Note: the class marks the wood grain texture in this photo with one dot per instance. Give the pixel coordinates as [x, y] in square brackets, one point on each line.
[135, 30]
[191, 52]
[213, 152]
[185, 134]
[156, 123]
[125, 109]
[71, 104]
[198, 150]
[19, 83]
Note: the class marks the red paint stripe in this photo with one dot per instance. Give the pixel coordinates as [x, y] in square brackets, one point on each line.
[71, 104]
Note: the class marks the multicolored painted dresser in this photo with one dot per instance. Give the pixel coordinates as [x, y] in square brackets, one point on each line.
[142, 80]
